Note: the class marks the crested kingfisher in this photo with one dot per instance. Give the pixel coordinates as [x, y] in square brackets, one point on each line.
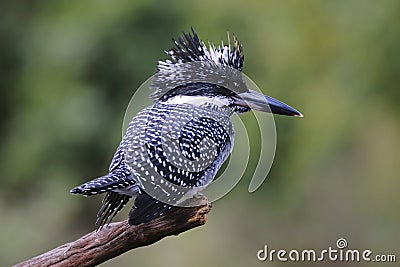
[179, 143]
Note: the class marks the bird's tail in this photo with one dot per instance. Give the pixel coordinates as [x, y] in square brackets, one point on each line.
[146, 209]
[112, 203]
[115, 180]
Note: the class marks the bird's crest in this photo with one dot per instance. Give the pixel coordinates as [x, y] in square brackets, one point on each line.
[192, 61]
[189, 48]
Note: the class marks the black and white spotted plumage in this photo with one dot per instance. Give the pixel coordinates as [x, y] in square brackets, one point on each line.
[143, 136]
[144, 145]
[179, 143]
[164, 140]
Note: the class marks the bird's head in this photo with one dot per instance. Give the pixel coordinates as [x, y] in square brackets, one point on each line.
[197, 74]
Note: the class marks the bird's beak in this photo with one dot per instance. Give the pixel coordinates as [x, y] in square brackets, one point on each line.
[258, 101]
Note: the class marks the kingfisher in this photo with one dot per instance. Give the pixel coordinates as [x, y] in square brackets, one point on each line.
[176, 146]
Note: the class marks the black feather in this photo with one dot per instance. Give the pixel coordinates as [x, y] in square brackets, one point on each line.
[147, 209]
[189, 48]
[112, 203]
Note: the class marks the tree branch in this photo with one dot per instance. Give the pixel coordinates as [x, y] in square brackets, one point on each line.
[117, 238]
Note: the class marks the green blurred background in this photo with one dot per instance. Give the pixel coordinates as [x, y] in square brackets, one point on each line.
[69, 68]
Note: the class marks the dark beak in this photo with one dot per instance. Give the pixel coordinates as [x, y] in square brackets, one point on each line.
[258, 101]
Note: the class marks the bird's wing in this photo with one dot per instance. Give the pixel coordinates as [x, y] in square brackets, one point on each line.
[167, 146]
[117, 159]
